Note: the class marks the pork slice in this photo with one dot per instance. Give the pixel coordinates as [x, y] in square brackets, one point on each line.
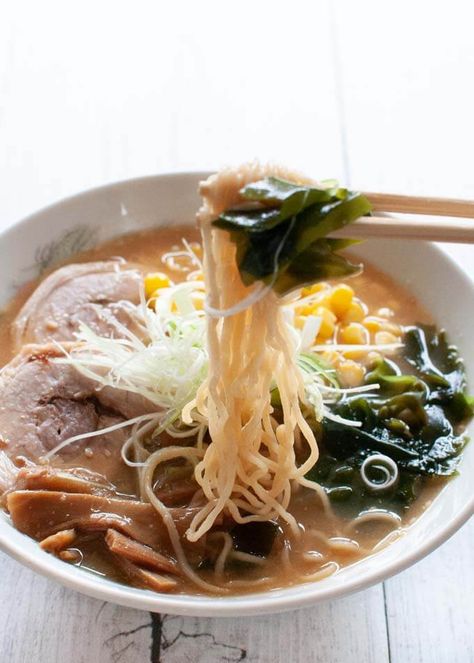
[43, 403]
[102, 295]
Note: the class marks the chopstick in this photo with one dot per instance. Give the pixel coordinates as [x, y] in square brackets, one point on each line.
[392, 227]
[389, 202]
[459, 228]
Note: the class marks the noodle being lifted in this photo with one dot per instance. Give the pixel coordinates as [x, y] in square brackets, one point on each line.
[248, 468]
[250, 422]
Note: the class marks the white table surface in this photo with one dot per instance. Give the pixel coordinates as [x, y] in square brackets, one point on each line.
[378, 94]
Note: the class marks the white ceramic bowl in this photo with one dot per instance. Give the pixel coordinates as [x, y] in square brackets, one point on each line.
[94, 216]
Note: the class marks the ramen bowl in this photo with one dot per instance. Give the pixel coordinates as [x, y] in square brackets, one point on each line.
[82, 221]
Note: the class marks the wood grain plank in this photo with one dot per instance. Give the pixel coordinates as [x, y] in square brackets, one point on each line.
[335, 632]
[430, 615]
[50, 623]
[42, 621]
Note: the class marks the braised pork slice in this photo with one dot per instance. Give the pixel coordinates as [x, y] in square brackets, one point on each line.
[42, 403]
[100, 294]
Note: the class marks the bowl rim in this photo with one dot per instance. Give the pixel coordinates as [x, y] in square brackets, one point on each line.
[208, 606]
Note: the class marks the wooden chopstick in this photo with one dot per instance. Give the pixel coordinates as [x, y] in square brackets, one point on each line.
[392, 227]
[458, 228]
[389, 202]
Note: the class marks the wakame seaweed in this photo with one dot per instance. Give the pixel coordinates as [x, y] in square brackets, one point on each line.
[412, 419]
[439, 365]
[350, 496]
[284, 241]
[255, 538]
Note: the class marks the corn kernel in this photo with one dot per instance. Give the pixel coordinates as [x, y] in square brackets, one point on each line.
[155, 281]
[384, 337]
[314, 289]
[324, 300]
[350, 373]
[331, 357]
[305, 310]
[341, 298]
[356, 355]
[299, 321]
[355, 313]
[354, 334]
[198, 301]
[328, 322]
[372, 323]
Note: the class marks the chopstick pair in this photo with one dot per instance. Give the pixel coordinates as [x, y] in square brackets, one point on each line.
[455, 225]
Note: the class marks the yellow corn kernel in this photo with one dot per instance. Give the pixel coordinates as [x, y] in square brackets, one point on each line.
[328, 322]
[331, 357]
[350, 373]
[384, 338]
[356, 355]
[310, 307]
[198, 301]
[354, 334]
[372, 323]
[299, 321]
[155, 281]
[324, 300]
[314, 289]
[355, 313]
[305, 310]
[340, 299]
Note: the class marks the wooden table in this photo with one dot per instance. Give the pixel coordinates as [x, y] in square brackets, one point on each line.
[377, 94]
